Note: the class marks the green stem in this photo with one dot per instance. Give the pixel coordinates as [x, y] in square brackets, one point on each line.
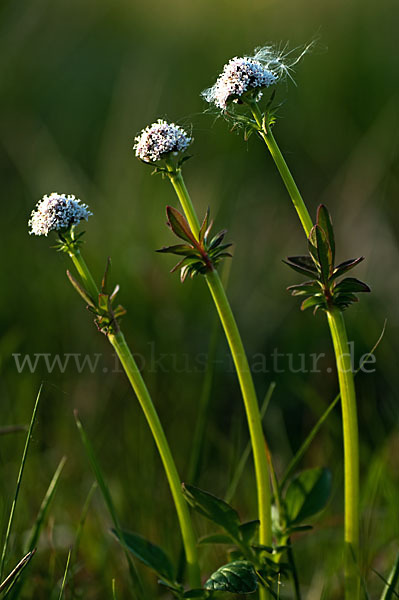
[295, 195]
[351, 450]
[242, 368]
[85, 274]
[345, 377]
[177, 180]
[250, 401]
[137, 382]
[119, 343]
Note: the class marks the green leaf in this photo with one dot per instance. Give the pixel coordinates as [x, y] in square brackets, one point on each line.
[212, 508]
[237, 578]
[298, 529]
[312, 246]
[103, 302]
[303, 261]
[324, 254]
[204, 225]
[179, 225]
[305, 288]
[313, 301]
[351, 285]
[307, 494]
[151, 555]
[344, 300]
[215, 538]
[346, 266]
[217, 240]
[80, 289]
[302, 270]
[324, 221]
[248, 530]
[179, 249]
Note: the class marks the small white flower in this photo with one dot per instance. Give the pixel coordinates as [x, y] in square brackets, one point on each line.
[156, 141]
[239, 76]
[56, 212]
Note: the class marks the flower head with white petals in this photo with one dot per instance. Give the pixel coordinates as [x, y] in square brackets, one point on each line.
[158, 140]
[249, 75]
[239, 76]
[57, 212]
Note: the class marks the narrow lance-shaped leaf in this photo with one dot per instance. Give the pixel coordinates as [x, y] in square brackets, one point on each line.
[105, 279]
[312, 302]
[179, 225]
[204, 226]
[179, 250]
[324, 221]
[346, 266]
[81, 291]
[312, 246]
[351, 285]
[303, 261]
[307, 287]
[217, 240]
[301, 270]
[324, 254]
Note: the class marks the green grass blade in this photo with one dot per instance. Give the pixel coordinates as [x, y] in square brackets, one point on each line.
[247, 451]
[113, 589]
[137, 585]
[45, 505]
[302, 450]
[390, 583]
[12, 578]
[79, 532]
[304, 447]
[40, 519]
[65, 577]
[18, 485]
[81, 523]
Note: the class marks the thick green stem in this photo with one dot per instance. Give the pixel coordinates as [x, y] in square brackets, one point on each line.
[295, 195]
[345, 377]
[125, 356]
[351, 450]
[242, 368]
[250, 401]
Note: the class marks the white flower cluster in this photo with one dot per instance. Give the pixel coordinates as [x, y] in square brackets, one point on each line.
[55, 212]
[156, 141]
[238, 77]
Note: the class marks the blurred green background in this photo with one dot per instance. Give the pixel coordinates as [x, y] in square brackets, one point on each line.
[78, 80]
